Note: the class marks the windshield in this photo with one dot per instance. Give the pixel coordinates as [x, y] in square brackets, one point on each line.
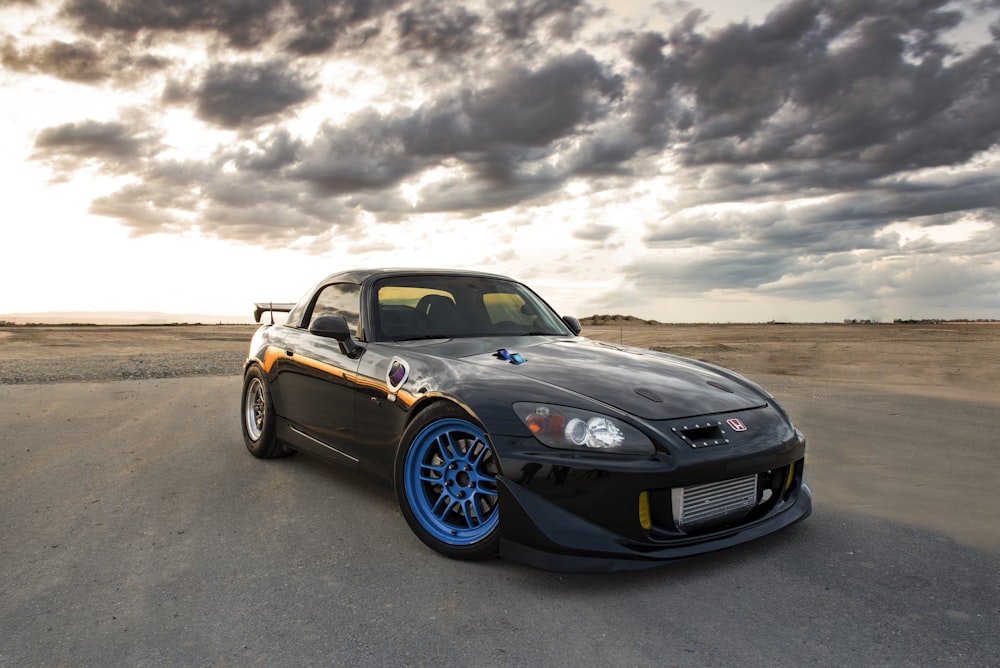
[445, 307]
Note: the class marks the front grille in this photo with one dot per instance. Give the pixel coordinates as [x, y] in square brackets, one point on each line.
[713, 503]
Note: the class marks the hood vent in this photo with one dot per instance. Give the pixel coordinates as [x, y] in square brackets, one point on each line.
[649, 394]
[702, 434]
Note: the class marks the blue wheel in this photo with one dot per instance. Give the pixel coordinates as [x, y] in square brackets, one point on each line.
[446, 482]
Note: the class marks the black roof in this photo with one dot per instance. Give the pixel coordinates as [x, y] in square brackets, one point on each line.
[361, 275]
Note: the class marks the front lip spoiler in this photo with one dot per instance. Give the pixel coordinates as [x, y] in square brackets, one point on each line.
[577, 546]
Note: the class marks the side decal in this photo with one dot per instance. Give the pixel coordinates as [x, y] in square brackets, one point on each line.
[395, 376]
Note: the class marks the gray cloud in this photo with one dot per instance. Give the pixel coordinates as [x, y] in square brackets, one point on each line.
[827, 95]
[314, 26]
[360, 156]
[869, 86]
[318, 26]
[81, 62]
[501, 133]
[276, 151]
[731, 269]
[520, 107]
[521, 19]
[244, 94]
[792, 143]
[246, 23]
[115, 146]
[871, 208]
[594, 232]
[245, 205]
[442, 29]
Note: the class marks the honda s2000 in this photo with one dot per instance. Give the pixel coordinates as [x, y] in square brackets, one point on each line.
[504, 432]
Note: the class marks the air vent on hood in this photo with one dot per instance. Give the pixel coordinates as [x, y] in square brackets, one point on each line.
[649, 394]
[720, 386]
[702, 434]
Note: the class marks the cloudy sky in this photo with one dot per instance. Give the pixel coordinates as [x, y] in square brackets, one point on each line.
[809, 160]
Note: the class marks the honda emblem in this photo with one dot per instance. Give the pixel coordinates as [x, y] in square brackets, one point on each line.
[736, 424]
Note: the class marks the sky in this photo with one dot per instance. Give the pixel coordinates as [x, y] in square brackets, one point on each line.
[811, 160]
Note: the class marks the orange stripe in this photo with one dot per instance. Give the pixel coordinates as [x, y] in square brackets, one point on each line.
[272, 355]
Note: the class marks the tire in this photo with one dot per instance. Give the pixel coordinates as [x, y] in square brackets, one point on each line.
[446, 483]
[257, 417]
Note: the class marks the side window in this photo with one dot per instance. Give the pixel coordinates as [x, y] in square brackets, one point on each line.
[294, 317]
[342, 299]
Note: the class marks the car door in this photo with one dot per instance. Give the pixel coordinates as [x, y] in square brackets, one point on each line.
[319, 381]
[381, 413]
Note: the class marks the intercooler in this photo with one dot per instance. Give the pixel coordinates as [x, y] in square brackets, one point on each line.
[713, 503]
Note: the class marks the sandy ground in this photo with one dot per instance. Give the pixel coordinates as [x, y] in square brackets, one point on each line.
[61, 342]
[953, 361]
[950, 360]
[46, 354]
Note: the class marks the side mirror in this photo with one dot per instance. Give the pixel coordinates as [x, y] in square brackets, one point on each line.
[573, 324]
[335, 327]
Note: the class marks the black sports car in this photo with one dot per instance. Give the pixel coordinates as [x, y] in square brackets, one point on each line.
[504, 431]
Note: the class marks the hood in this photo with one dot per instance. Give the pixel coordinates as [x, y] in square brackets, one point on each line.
[649, 385]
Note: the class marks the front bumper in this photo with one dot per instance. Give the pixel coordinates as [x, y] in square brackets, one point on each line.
[569, 514]
[552, 539]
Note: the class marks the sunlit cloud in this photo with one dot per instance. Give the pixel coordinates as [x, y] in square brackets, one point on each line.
[704, 160]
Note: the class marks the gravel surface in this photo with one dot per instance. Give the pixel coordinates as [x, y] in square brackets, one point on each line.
[120, 367]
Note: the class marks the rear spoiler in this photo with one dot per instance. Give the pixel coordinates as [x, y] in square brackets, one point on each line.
[263, 307]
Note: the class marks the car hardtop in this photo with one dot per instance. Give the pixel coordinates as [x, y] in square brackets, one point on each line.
[361, 276]
[371, 321]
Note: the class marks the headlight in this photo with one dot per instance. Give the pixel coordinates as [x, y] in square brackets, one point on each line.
[574, 429]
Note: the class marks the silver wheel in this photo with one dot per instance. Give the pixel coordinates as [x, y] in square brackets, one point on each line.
[256, 405]
[257, 417]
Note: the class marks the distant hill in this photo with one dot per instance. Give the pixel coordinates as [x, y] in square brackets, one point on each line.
[122, 318]
[598, 320]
